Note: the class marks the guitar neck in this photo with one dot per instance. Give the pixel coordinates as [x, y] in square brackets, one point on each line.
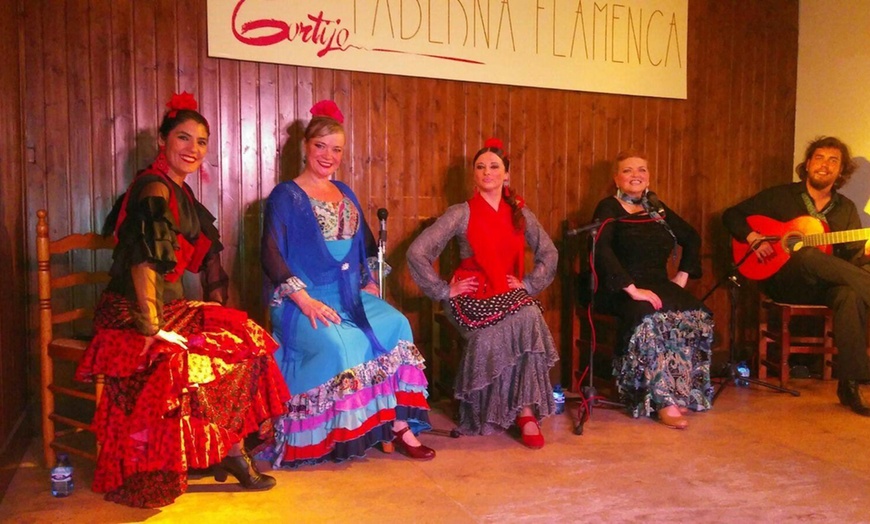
[837, 237]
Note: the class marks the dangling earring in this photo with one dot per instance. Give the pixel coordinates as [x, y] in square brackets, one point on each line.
[160, 163]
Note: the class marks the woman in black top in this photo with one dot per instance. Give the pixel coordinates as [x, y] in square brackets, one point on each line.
[662, 362]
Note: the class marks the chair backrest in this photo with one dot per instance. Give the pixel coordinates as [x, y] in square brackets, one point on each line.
[71, 277]
[82, 281]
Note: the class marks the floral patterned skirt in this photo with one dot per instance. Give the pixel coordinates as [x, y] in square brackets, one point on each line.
[667, 362]
[166, 409]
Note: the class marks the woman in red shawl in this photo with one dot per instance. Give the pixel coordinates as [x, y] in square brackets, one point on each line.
[503, 377]
[185, 380]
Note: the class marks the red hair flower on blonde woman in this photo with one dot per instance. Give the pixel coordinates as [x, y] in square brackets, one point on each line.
[329, 109]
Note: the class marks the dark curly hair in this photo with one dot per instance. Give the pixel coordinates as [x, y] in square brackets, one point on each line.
[846, 161]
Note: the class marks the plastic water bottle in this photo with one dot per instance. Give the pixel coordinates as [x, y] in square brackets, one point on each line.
[743, 371]
[62, 476]
[559, 398]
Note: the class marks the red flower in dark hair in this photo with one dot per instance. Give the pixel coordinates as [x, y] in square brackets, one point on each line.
[181, 101]
[329, 109]
[494, 143]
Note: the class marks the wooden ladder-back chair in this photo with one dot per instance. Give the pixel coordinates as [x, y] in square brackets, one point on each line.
[60, 309]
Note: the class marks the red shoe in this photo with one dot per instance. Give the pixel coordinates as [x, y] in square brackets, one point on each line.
[530, 441]
[420, 452]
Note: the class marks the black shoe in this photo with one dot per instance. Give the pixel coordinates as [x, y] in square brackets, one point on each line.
[849, 393]
[245, 471]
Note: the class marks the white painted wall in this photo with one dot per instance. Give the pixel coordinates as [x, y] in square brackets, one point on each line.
[833, 84]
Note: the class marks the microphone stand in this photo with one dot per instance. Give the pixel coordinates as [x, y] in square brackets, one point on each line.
[589, 394]
[733, 376]
[382, 250]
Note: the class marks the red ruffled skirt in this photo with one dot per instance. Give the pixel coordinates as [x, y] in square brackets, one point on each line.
[165, 409]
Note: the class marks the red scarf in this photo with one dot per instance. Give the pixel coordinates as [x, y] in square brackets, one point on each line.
[499, 249]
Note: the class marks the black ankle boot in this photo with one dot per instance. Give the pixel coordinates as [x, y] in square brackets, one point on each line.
[849, 393]
[243, 468]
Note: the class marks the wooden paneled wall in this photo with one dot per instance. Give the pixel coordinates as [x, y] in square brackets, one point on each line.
[14, 430]
[97, 74]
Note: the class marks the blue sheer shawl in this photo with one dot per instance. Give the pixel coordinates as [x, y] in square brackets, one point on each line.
[292, 224]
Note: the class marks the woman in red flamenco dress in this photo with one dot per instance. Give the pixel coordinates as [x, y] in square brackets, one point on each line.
[185, 381]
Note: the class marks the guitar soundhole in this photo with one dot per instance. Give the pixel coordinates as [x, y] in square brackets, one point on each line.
[793, 241]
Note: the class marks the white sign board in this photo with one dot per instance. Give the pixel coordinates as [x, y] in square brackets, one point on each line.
[634, 47]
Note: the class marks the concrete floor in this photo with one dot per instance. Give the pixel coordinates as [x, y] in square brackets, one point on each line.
[758, 456]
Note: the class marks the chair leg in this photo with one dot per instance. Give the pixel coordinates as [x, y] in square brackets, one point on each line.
[785, 346]
[828, 364]
[47, 409]
[99, 382]
[762, 342]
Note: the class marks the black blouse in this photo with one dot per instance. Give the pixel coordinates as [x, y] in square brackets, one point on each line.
[636, 250]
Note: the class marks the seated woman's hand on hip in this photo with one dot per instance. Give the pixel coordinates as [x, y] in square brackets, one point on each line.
[314, 309]
[644, 295]
[372, 289]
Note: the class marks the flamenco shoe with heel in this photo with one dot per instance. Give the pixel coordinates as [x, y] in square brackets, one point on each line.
[420, 452]
[530, 441]
[672, 421]
[242, 467]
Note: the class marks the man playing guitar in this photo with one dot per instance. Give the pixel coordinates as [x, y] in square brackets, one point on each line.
[839, 280]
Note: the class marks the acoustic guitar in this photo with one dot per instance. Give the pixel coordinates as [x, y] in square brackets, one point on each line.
[786, 238]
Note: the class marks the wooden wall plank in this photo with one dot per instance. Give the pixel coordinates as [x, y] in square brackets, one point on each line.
[149, 105]
[123, 97]
[229, 150]
[13, 279]
[249, 176]
[102, 170]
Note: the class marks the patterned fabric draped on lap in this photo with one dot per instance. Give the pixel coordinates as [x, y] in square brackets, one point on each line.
[165, 409]
[667, 363]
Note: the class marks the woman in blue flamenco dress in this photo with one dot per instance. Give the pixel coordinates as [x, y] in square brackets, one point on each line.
[355, 376]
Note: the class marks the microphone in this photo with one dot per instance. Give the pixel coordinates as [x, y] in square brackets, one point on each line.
[382, 216]
[654, 203]
[588, 227]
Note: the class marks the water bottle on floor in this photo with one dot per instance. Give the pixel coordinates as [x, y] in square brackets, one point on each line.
[559, 398]
[743, 371]
[62, 476]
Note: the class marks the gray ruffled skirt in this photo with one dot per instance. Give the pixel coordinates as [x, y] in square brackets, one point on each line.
[503, 368]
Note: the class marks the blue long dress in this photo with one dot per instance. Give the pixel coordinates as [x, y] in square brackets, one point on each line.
[348, 381]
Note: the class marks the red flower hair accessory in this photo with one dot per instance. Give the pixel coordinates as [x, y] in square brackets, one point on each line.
[180, 102]
[329, 109]
[496, 143]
